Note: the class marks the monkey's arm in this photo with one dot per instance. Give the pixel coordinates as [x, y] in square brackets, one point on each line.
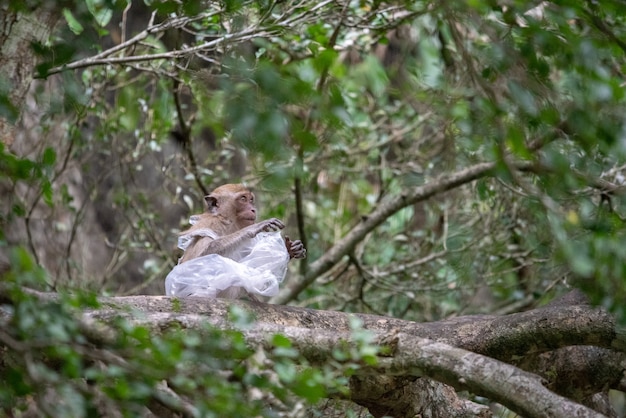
[227, 244]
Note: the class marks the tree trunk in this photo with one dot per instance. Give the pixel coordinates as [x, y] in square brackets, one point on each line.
[18, 31]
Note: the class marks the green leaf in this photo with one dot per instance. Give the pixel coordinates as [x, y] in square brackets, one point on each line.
[47, 193]
[7, 109]
[325, 59]
[49, 156]
[309, 386]
[516, 141]
[286, 371]
[128, 106]
[524, 98]
[279, 340]
[240, 317]
[99, 11]
[192, 7]
[73, 24]
[17, 382]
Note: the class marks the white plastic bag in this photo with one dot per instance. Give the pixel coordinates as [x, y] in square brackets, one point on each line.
[258, 266]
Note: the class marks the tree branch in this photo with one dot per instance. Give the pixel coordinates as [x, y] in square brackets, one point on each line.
[518, 390]
[378, 216]
[503, 337]
[421, 350]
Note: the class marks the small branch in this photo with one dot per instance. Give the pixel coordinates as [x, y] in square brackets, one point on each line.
[184, 137]
[300, 212]
[300, 152]
[167, 398]
[411, 265]
[101, 59]
[331, 45]
[604, 28]
[125, 20]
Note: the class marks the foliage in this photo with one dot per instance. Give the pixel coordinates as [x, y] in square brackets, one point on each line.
[52, 351]
[341, 106]
[357, 104]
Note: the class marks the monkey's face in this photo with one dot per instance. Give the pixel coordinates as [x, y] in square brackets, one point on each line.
[245, 209]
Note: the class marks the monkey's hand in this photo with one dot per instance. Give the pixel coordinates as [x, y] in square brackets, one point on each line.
[269, 225]
[295, 248]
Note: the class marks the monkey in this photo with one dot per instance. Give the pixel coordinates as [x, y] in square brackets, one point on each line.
[231, 218]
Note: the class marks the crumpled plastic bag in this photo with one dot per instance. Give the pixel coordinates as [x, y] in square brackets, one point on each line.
[258, 266]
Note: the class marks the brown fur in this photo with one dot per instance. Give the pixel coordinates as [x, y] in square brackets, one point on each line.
[231, 214]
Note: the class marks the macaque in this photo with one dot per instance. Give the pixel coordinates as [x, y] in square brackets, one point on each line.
[231, 214]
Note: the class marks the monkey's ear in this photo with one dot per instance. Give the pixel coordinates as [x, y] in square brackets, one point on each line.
[211, 202]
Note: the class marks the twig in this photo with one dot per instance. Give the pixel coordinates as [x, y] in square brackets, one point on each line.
[185, 139]
[101, 59]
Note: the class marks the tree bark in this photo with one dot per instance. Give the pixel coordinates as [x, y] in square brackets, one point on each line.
[562, 342]
[18, 31]
[559, 344]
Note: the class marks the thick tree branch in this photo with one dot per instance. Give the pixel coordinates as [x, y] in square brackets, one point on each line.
[568, 321]
[519, 391]
[419, 397]
[577, 372]
[503, 337]
[414, 355]
[438, 350]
